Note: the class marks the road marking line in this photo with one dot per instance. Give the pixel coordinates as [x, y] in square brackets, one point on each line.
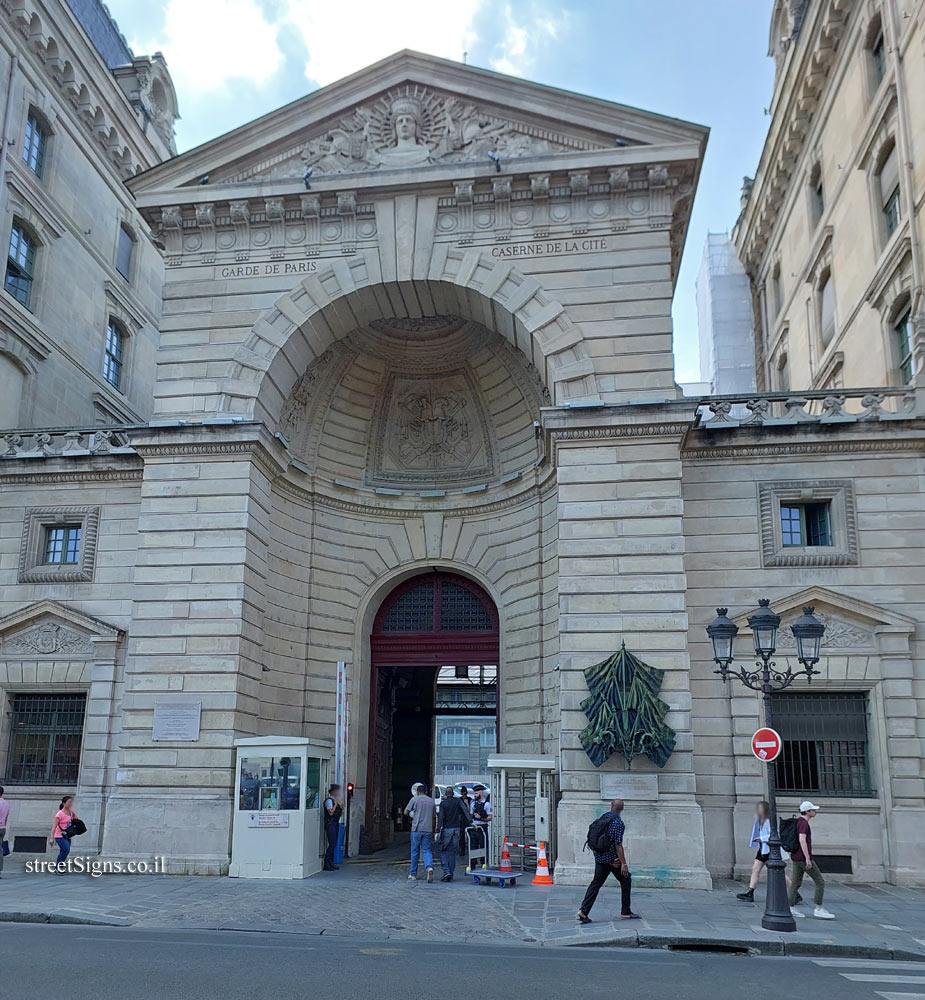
[864, 963]
[861, 978]
[900, 996]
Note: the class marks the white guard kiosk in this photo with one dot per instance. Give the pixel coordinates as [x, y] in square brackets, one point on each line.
[279, 786]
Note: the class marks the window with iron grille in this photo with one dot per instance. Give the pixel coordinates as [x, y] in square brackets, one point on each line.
[462, 611]
[34, 142]
[115, 349]
[825, 743]
[45, 738]
[62, 544]
[413, 611]
[20, 263]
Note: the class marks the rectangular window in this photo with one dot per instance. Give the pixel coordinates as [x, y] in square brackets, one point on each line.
[878, 59]
[33, 147]
[827, 310]
[825, 743]
[62, 544]
[45, 738]
[902, 338]
[818, 195]
[806, 524]
[115, 348]
[889, 192]
[892, 212]
[20, 264]
[124, 253]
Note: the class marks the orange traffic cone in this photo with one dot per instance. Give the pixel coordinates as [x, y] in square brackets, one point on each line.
[542, 868]
[505, 865]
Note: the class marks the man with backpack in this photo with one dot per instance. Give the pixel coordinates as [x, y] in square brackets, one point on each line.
[605, 838]
[800, 845]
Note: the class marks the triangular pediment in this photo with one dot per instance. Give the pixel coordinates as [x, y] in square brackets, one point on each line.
[47, 628]
[850, 623]
[412, 111]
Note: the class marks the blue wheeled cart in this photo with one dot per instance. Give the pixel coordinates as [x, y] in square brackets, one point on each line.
[478, 856]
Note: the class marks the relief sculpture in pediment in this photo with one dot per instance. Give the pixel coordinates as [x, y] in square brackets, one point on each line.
[414, 125]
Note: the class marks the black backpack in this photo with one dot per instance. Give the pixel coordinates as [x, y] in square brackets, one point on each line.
[789, 839]
[599, 839]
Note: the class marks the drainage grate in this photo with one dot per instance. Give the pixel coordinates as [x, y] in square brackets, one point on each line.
[711, 947]
[833, 864]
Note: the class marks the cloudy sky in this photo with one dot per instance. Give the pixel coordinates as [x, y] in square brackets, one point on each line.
[701, 60]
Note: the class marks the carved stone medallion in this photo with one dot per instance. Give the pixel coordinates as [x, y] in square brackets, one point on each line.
[47, 639]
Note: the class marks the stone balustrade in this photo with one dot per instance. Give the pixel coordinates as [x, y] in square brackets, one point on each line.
[818, 406]
[67, 442]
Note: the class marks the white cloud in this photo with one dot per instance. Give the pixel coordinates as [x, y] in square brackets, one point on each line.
[344, 37]
[208, 42]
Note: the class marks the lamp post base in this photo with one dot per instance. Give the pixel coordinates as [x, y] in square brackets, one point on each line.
[777, 915]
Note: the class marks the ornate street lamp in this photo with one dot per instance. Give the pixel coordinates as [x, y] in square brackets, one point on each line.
[768, 679]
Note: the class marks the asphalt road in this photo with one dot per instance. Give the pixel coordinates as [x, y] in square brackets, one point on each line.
[38, 961]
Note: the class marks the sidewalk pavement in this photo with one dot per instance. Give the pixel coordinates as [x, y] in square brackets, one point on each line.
[373, 897]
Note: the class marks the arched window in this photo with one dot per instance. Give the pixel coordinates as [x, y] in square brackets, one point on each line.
[454, 736]
[488, 737]
[20, 263]
[34, 143]
[124, 251]
[115, 353]
[888, 176]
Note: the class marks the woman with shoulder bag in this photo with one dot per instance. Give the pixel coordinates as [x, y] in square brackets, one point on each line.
[63, 819]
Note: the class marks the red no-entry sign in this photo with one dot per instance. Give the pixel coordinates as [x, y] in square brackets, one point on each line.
[766, 745]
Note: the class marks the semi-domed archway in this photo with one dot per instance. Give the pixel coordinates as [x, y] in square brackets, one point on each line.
[434, 654]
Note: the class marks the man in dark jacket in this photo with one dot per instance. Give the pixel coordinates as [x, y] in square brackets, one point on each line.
[454, 818]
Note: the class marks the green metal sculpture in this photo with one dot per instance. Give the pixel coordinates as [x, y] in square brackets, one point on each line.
[625, 712]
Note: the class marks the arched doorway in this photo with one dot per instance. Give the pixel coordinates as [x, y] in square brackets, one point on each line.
[433, 692]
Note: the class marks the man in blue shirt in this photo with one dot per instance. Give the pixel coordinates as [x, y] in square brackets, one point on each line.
[611, 861]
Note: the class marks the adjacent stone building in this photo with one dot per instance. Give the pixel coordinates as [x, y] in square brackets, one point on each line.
[414, 408]
[831, 231]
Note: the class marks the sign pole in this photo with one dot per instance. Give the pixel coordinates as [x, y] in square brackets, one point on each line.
[777, 915]
[340, 749]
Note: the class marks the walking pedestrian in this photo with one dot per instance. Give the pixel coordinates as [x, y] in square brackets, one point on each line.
[333, 810]
[605, 838]
[466, 799]
[761, 834]
[63, 819]
[481, 812]
[804, 864]
[4, 820]
[454, 818]
[421, 809]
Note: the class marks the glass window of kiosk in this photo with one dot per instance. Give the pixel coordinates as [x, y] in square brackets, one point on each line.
[270, 784]
[313, 783]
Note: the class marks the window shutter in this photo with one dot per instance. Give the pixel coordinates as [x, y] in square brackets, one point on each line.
[889, 176]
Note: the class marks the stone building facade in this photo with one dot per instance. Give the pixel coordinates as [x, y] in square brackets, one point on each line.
[414, 406]
[831, 230]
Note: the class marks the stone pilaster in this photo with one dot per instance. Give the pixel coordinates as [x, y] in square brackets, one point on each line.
[622, 579]
[197, 636]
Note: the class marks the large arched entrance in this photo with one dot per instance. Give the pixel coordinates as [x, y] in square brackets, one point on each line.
[433, 692]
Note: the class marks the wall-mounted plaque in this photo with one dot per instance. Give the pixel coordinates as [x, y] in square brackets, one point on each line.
[268, 819]
[177, 720]
[631, 787]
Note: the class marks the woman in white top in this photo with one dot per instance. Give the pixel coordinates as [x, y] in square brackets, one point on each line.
[761, 834]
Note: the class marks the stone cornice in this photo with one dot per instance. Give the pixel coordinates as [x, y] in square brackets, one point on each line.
[793, 448]
[26, 477]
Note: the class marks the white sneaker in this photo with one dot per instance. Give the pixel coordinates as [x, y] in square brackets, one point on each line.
[797, 913]
[821, 913]
[412, 878]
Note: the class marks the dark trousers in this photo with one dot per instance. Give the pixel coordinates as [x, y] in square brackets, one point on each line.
[448, 846]
[332, 832]
[600, 877]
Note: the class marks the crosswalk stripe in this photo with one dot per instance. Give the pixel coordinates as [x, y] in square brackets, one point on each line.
[864, 963]
[860, 977]
[900, 996]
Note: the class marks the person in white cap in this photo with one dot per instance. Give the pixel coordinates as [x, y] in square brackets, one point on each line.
[803, 864]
